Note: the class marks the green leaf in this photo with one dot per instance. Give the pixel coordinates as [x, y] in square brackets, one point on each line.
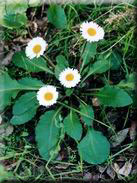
[34, 3]
[25, 103]
[62, 63]
[24, 117]
[114, 97]
[31, 83]
[12, 8]
[88, 110]
[73, 126]
[69, 91]
[129, 82]
[16, 6]
[15, 20]
[57, 17]
[24, 108]
[31, 65]
[116, 60]
[8, 89]
[88, 54]
[2, 12]
[5, 175]
[47, 134]
[94, 148]
[102, 64]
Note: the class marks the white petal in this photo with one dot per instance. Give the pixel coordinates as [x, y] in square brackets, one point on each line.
[99, 31]
[29, 48]
[41, 93]
[69, 84]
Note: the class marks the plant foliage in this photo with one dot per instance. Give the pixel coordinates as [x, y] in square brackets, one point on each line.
[48, 134]
[94, 147]
[73, 115]
[56, 16]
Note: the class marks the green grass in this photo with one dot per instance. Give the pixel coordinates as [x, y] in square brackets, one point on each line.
[22, 155]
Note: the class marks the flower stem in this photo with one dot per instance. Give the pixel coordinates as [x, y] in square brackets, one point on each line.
[49, 61]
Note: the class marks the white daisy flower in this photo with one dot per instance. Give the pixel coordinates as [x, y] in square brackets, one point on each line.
[91, 31]
[69, 77]
[47, 95]
[36, 47]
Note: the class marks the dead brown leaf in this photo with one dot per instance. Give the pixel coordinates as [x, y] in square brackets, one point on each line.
[0, 119]
[119, 137]
[96, 177]
[6, 130]
[34, 26]
[9, 130]
[134, 170]
[87, 176]
[111, 172]
[21, 40]
[62, 166]
[132, 130]
[102, 169]
[1, 50]
[116, 167]
[7, 59]
[9, 167]
[95, 102]
[2, 131]
[2, 149]
[116, 18]
[126, 169]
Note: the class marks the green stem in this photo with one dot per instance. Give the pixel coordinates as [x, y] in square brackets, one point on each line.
[128, 147]
[83, 114]
[93, 89]
[86, 77]
[80, 99]
[49, 61]
[83, 62]
[47, 168]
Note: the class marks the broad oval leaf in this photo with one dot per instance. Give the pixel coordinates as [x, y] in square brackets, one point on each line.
[24, 108]
[25, 103]
[47, 134]
[32, 65]
[94, 148]
[24, 117]
[30, 83]
[56, 16]
[88, 110]
[72, 126]
[114, 97]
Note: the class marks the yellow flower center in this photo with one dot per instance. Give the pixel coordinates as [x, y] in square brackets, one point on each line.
[91, 31]
[48, 96]
[37, 48]
[69, 77]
